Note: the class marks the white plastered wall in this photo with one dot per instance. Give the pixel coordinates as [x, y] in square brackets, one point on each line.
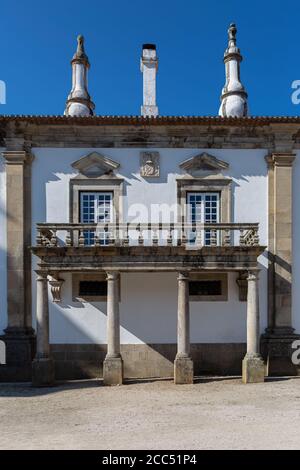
[148, 301]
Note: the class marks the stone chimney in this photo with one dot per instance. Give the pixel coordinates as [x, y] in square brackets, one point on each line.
[149, 65]
[79, 102]
[234, 96]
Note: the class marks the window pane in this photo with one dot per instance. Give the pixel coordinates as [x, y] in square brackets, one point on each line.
[96, 207]
[92, 288]
[202, 208]
[205, 287]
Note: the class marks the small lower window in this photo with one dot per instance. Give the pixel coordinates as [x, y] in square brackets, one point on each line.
[89, 287]
[205, 287]
[92, 288]
[208, 287]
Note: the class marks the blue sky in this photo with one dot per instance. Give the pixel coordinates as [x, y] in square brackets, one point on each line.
[38, 39]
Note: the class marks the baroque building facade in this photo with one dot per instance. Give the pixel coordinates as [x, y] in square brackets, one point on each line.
[149, 246]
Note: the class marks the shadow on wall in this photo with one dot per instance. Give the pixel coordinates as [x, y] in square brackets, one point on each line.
[280, 272]
[141, 322]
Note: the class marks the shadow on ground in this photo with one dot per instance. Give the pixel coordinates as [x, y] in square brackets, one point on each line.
[25, 389]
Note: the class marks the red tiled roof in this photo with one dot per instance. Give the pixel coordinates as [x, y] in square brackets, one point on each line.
[153, 121]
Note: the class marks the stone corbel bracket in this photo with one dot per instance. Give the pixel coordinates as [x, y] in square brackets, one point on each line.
[55, 287]
[243, 286]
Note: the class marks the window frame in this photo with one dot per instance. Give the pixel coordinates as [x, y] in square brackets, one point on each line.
[83, 184]
[93, 294]
[206, 185]
[203, 196]
[89, 235]
[221, 185]
[205, 234]
[223, 277]
[95, 193]
[78, 277]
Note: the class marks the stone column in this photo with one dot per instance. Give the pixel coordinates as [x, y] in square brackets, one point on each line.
[253, 365]
[42, 366]
[19, 335]
[183, 365]
[113, 364]
[280, 332]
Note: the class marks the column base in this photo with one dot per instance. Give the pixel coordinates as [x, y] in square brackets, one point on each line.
[113, 371]
[183, 370]
[277, 350]
[253, 368]
[43, 374]
[20, 350]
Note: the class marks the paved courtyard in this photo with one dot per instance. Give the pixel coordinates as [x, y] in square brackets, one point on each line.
[213, 413]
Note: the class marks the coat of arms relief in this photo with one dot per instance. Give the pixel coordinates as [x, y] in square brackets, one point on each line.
[149, 164]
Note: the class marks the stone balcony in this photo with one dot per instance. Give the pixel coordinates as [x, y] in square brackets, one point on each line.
[147, 246]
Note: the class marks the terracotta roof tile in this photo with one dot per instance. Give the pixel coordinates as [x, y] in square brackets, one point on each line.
[153, 121]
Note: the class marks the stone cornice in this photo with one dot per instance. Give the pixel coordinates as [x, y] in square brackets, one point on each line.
[17, 157]
[275, 134]
[153, 121]
[144, 258]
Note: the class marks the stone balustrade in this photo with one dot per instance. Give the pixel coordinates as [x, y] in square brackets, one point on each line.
[147, 234]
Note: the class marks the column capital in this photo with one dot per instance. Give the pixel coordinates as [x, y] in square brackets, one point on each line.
[253, 275]
[283, 159]
[269, 161]
[17, 157]
[112, 275]
[41, 275]
[183, 276]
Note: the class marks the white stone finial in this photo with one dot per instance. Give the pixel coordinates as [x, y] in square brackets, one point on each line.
[79, 102]
[234, 96]
[149, 65]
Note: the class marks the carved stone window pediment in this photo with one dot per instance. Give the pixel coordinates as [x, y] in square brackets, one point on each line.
[95, 165]
[203, 163]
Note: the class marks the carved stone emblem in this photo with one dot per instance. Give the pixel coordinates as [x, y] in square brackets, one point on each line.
[149, 162]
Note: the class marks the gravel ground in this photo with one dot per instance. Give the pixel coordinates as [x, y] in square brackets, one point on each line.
[214, 413]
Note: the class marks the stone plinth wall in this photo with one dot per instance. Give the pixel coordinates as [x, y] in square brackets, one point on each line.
[80, 361]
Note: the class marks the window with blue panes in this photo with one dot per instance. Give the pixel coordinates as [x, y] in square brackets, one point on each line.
[96, 207]
[203, 208]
